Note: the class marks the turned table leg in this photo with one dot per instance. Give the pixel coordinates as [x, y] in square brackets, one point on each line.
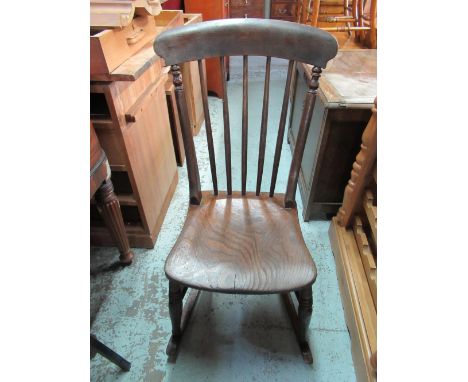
[109, 208]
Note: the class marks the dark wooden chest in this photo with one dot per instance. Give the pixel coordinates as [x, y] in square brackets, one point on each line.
[343, 108]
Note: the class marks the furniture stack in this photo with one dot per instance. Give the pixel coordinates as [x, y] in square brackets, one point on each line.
[353, 236]
[343, 18]
[212, 10]
[347, 90]
[130, 114]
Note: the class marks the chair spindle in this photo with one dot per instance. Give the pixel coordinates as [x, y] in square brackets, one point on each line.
[245, 120]
[227, 134]
[187, 137]
[282, 124]
[209, 132]
[290, 196]
[263, 129]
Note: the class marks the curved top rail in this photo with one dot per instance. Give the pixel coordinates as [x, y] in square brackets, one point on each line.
[252, 37]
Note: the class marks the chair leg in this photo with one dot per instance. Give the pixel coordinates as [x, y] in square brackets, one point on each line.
[304, 312]
[300, 320]
[109, 208]
[175, 306]
[180, 314]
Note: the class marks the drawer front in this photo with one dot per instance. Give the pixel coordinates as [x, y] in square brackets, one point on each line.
[283, 10]
[110, 48]
[246, 3]
[246, 8]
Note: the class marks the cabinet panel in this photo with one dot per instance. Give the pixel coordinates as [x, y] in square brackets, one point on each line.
[283, 10]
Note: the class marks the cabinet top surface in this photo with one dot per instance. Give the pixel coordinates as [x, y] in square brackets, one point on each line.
[350, 78]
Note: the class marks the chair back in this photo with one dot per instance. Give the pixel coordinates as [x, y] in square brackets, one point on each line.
[246, 37]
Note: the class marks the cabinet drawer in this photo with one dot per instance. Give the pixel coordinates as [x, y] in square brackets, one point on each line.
[283, 10]
[246, 3]
[247, 8]
[242, 12]
[111, 47]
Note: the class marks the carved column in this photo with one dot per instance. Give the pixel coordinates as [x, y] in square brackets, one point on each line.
[109, 208]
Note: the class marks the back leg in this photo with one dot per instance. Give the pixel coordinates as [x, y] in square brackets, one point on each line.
[175, 311]
[304, 313]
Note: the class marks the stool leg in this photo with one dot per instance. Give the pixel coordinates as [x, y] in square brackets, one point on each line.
[109, 208]
[109, 354]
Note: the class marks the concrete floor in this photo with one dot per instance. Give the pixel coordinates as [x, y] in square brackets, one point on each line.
[229, 338]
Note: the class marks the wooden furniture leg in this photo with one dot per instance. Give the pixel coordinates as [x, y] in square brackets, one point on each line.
[108, 353]
[300, 320]
[304, 312]
[180, 314]
[109, 208]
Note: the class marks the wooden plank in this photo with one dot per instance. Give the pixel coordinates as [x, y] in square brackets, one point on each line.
[176, 129]
[361, 318]
[133, 67]
[371, 212]
[367, 257]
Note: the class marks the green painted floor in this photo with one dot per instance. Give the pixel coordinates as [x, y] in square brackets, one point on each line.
[229, 338]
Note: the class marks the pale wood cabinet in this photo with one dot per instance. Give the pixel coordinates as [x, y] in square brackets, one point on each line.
[130, 116]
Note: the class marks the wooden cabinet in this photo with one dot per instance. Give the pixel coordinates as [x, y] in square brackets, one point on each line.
[130, 116]
[211, 10]
[342, 110]
[284, 10]
[246, 8]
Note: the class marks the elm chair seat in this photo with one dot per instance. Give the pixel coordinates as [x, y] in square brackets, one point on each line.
[241, 244]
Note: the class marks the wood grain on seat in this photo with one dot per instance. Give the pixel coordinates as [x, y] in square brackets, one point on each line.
[241, 244]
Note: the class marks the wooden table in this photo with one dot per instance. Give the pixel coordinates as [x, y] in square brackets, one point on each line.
[348, 87]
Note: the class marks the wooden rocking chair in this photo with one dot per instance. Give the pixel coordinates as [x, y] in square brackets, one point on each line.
[243, 242]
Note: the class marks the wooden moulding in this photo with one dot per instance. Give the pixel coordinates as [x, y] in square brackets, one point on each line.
[111, 47]
[119, 14]
[358, 304]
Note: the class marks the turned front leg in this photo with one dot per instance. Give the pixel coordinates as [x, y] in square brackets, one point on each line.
[109, 208]
[175, 307]
[304, 312]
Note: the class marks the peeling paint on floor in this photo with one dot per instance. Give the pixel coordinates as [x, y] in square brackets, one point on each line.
[229, 337]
